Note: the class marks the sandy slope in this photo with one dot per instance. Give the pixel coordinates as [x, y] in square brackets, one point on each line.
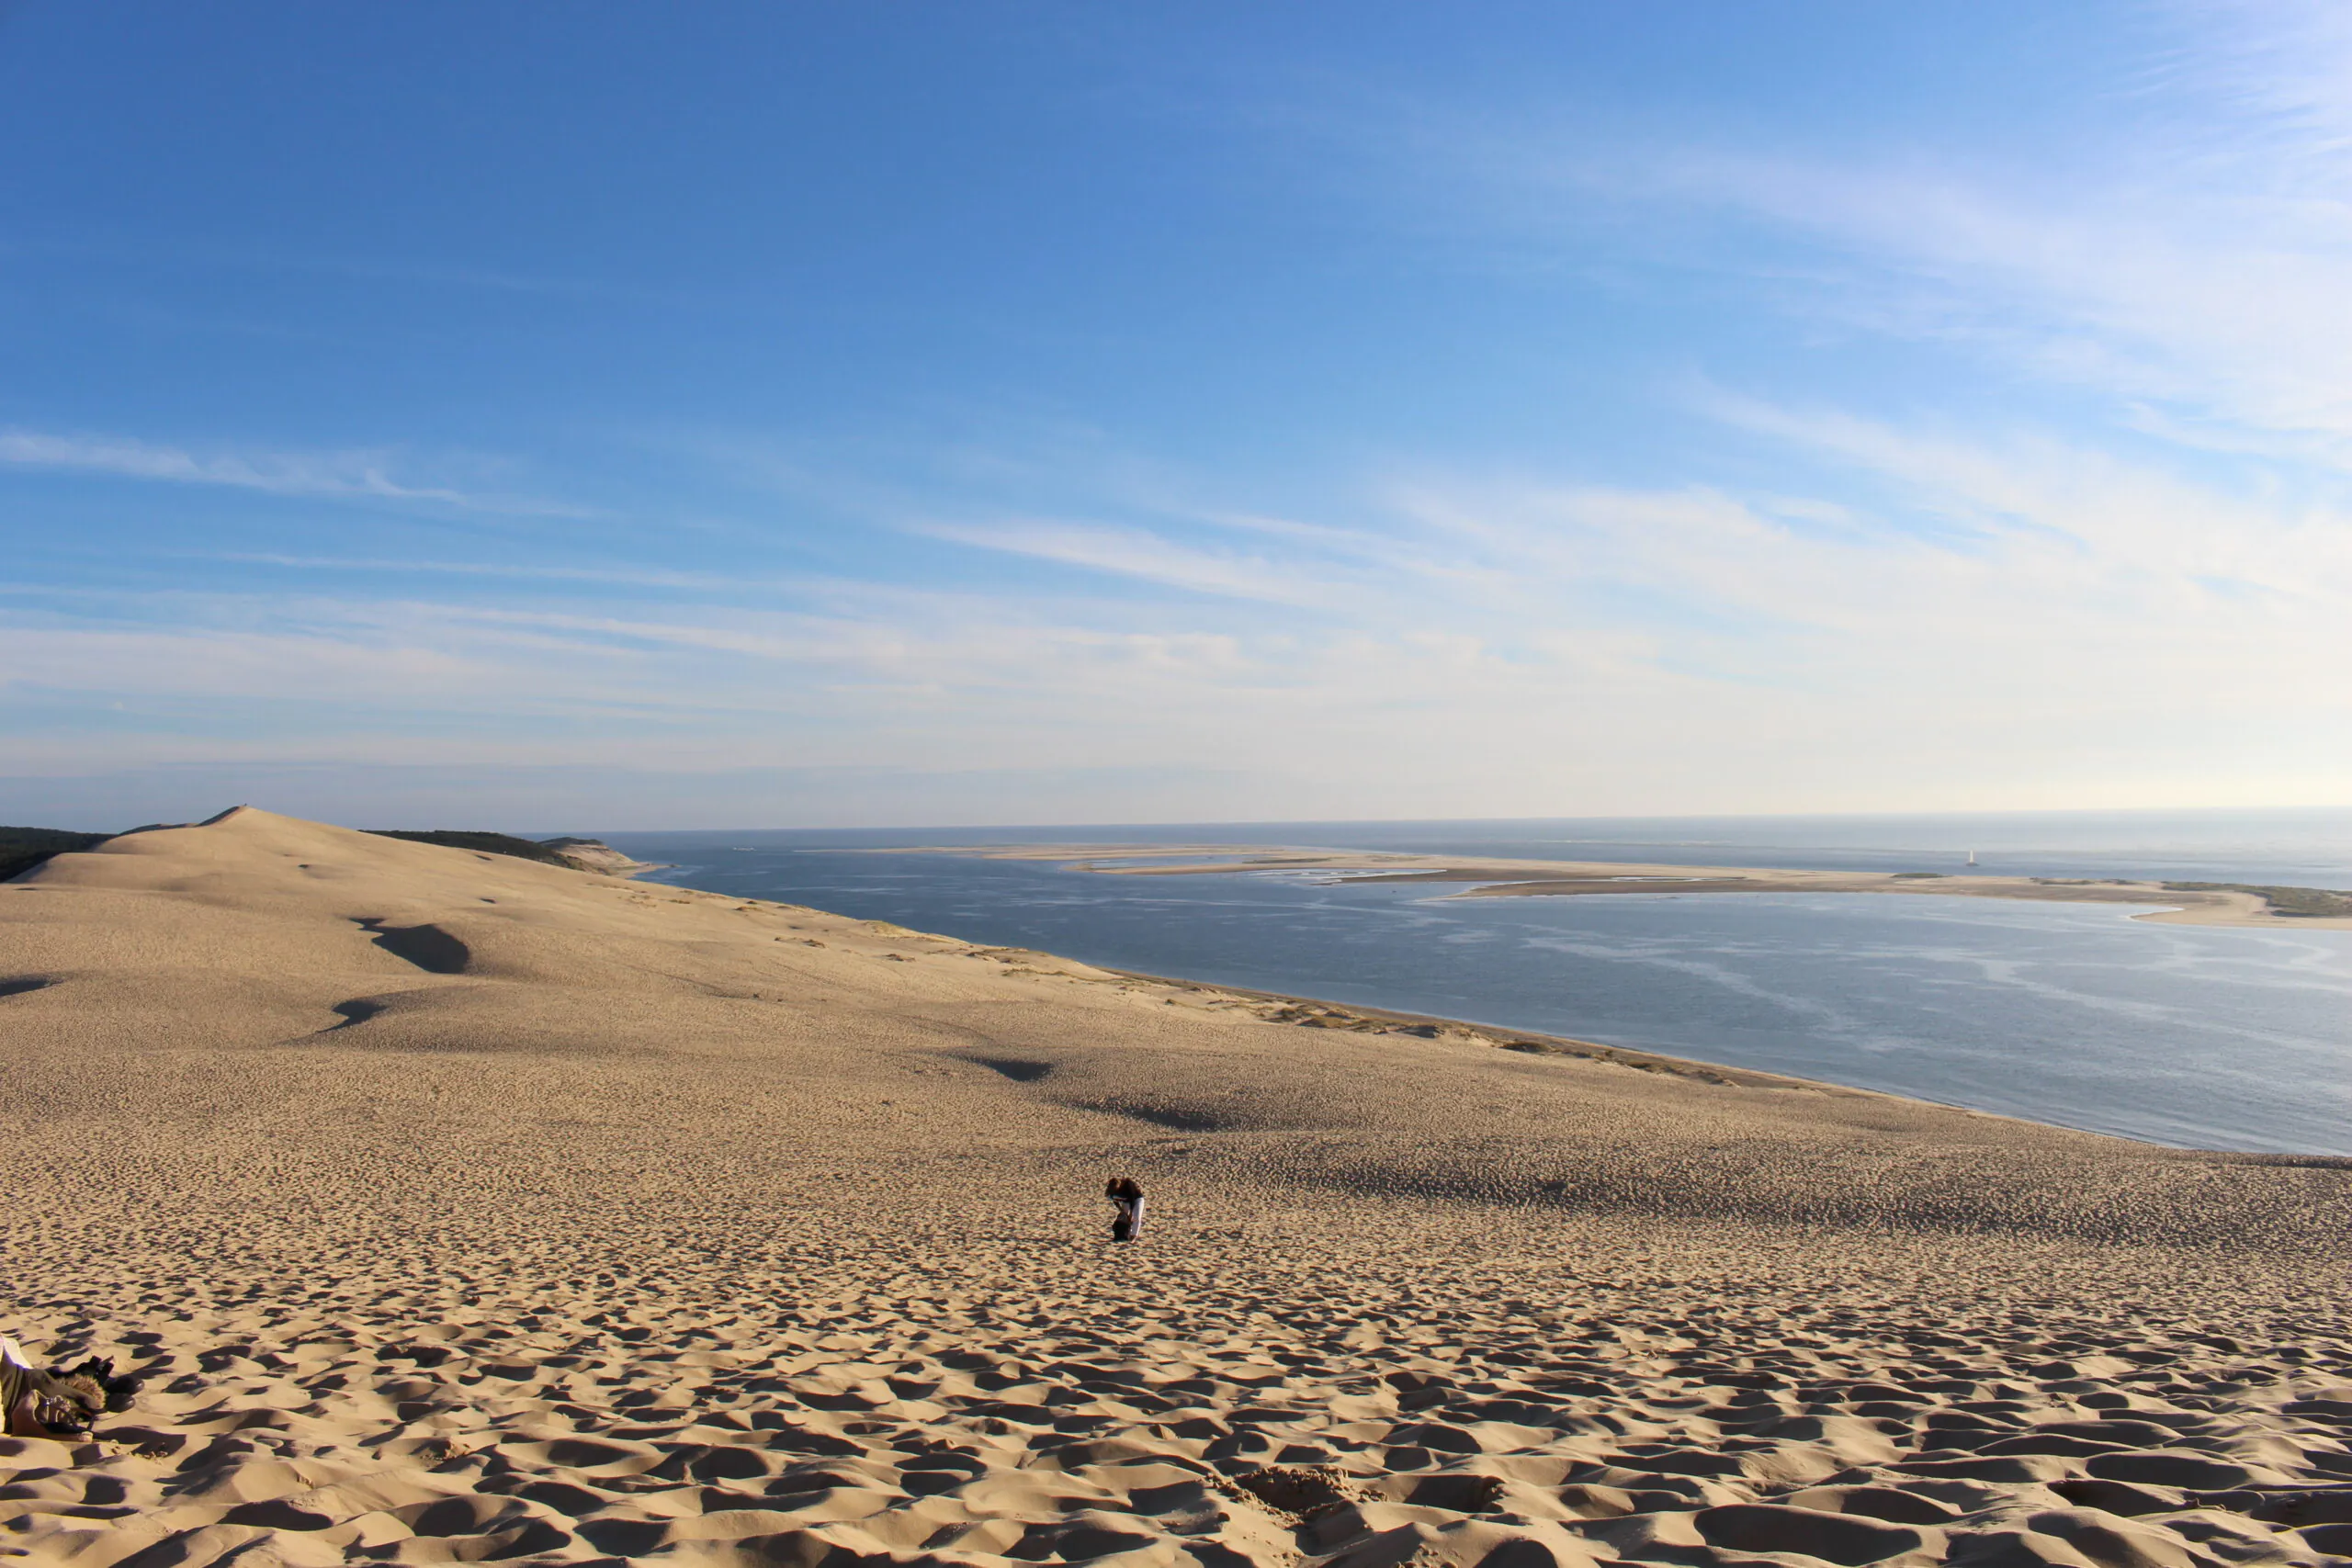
[458, 1208]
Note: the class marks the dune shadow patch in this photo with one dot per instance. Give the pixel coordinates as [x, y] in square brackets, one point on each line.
[358, 1010]
[1013, 1067]
[464, 1019]
[17, 985]
[430, 948]
[1176, 1118]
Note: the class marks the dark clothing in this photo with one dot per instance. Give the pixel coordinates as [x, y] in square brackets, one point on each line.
[58, 1405]
[1127, 1204]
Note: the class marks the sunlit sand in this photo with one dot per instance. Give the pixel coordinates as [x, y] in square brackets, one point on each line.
[455, 1207]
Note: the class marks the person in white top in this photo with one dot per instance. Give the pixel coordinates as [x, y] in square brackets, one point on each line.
[1127, 1204]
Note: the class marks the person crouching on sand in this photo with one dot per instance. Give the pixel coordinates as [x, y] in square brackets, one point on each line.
[1126, 1206]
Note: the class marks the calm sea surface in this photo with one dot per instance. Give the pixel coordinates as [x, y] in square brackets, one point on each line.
[2075, 1014]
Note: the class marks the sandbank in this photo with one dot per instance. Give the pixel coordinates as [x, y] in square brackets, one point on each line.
[1506, 878]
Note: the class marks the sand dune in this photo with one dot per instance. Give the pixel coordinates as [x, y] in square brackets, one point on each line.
[457, 1208]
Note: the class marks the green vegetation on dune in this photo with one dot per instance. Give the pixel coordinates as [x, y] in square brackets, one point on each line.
[21, 849]
[2307, 901]
[482, 843]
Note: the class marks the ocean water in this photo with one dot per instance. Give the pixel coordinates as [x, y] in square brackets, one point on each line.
[2075, 1014]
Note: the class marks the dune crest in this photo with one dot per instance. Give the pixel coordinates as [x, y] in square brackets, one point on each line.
[454, 1207]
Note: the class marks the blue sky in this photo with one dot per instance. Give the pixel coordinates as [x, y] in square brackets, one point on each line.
[601, 415]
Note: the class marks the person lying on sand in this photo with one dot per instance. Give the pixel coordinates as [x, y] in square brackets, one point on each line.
[1127, 1203]
[35, 1403]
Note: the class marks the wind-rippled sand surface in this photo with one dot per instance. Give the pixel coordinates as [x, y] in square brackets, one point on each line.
[463, 1209]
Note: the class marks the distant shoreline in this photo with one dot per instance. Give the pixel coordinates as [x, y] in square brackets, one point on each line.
[2179, 903]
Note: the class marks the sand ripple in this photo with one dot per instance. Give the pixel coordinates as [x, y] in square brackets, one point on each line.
[618, 1224]
[1150, 1413]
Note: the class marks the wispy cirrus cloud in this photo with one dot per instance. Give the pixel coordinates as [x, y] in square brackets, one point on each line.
[2195, 257]
[2024, 613]
[2281, 64]
[2118, 517]
[1135, 553]
[2041, 493]
[545, 572]
[354, 475]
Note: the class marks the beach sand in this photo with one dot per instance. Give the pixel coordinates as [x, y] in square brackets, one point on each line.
[458, 1208]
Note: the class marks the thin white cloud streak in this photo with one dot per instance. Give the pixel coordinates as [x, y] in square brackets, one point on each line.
[342, 475]
[1099, 476]
[143, 662]
[636, 576]
[1131, 552]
